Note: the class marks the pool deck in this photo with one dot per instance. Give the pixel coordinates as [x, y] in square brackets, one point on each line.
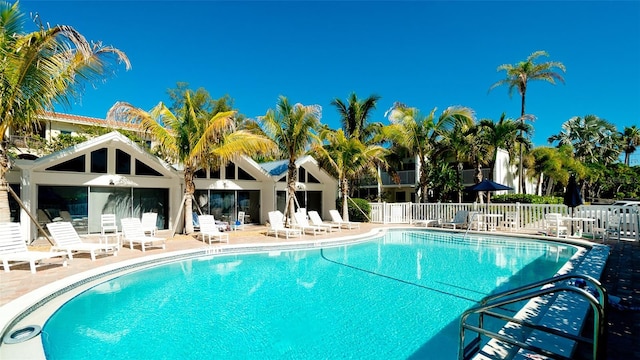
[621, 276]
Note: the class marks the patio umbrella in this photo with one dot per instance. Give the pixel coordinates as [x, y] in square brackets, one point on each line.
[488, 185]
[572, 196]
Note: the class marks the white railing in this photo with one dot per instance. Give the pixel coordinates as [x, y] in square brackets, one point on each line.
[529, 216]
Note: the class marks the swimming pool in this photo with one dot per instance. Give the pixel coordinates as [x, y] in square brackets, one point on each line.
[394, 297]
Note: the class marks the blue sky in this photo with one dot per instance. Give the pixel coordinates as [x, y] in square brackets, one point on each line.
[425, 54]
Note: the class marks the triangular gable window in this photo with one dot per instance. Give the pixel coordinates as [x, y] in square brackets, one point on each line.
[243, 175]
[144, 169]
[200, 174]
[312, 179]
[76, 164]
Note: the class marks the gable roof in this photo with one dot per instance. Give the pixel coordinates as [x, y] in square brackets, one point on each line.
[123, 143]
[278, 169]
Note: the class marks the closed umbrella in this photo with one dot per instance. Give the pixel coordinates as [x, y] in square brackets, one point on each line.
[572, 197]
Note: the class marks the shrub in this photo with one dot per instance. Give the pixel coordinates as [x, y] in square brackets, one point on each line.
[354, 213]
[526, 199]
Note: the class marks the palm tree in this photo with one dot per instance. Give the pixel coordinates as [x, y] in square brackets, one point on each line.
[504, 134]
[292, 128]
[592, 138]
[348, 158]
[418, 134]
[194, 139]
[630, 141]
[518, 77]
[39, 70]
[354, 116]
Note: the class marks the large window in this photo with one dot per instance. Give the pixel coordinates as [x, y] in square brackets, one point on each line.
[127, 202]
[63, 203]
[225, 204]
[123, 162]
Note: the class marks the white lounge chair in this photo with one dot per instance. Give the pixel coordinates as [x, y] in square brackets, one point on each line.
[132, 232]
[459, 220]
[337, 219]
[66, 239]
[303, 224]
[317, 221]
[149, 223]
[209, 229]
[276, 225]
[14, 249]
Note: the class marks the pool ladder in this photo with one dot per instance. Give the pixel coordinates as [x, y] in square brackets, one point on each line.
[527, 292]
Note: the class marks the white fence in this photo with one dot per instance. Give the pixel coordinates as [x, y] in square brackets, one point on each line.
[529, 216]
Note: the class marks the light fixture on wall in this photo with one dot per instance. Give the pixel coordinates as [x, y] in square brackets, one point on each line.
[111, 182]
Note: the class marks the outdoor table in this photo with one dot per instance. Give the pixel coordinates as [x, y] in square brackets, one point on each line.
[105, 237]
[585, 222]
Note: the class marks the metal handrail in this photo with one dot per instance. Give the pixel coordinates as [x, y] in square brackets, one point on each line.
[522, 293]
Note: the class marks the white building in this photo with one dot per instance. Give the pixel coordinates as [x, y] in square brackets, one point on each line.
[112, 174]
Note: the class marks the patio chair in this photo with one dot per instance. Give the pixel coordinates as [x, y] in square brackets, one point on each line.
[209, 229]
[316, 220]
[132, 232]
[555, 225]
[66, 239]
[149, 223]
[14, 249]
[303, 224]
[239, 224]
[108, 224]
[510, 221]
[337, 219]
[276, 225]
[459, 220]
[476, 220]
[611, 227]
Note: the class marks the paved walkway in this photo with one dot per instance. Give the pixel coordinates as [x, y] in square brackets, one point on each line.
[621, 278]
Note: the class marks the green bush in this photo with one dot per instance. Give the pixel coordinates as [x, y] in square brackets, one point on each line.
[354, 213]
[526, 199]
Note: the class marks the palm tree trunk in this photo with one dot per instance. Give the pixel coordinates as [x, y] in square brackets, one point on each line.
[5, 211]
[521, 182]
[345, 193]
[291, 190]
[189, 190]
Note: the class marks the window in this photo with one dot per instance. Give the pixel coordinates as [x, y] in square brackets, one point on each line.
[200, 174]
[312, 179]
[144, 169]
[243, 175]
[76, 164]
[99, 161]
[123, 162]
[302, 175]
[214, 174]
[230, 171]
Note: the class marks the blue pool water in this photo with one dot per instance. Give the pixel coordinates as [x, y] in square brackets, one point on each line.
[395, 297]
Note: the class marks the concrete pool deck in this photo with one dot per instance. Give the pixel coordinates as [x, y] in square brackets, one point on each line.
[621, 276]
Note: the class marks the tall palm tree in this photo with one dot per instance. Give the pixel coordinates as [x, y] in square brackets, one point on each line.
[354, 116]
[348, 158]
[39, 70]
[630, 141]
[593, 139]
[505, 134]
[518, 77]
[292, 128]
[193, 138]
[419, 134]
